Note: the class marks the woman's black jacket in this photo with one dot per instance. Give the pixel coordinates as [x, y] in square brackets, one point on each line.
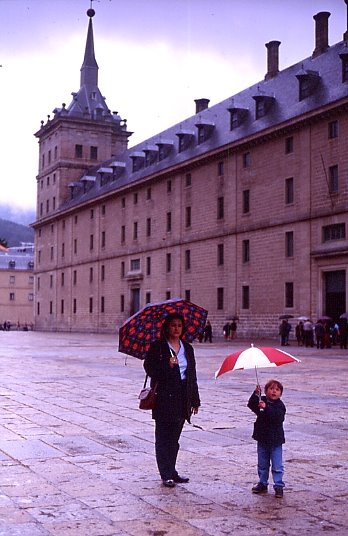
[268, 427]
[172, 403]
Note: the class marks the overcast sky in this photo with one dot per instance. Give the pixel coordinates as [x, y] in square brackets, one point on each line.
[155, 57]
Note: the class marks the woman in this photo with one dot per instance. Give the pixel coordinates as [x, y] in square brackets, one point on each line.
[170, 363]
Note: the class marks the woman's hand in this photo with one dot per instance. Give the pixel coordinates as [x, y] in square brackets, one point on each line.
[173, 361]
[194, 411]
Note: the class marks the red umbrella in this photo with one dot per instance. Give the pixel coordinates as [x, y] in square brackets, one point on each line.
[144, 327]
[254, 358]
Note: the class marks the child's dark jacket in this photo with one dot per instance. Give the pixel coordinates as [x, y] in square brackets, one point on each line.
[268, 427]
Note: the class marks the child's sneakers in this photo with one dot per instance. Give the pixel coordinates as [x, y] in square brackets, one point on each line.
[259, 488]
[278, 492]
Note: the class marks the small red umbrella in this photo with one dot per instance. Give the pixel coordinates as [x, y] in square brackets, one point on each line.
[144, 327]
[254, 358]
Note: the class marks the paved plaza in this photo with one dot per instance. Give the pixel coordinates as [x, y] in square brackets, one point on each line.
[77, 455]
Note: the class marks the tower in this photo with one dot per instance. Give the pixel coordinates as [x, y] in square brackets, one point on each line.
[78, 137]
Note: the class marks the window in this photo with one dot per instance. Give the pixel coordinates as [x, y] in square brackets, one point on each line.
[169, 186]
[220, 298]
[123, 234]
[220, 208]
[103, 239]
[102, 272]
[305, 88]
[30, 297]
[91, 305]
[289, 145]
[168, 262]
[148, 297]
[187, 259]
[75, 220]
[246, 160]
[344, 58]
[48, 181]
[38, 308]
[289, 294]
[12, 296]
[336, 231]
[333, 129]
[12, 279]
[74, 306]
[245, 297]
[333, 179]
[63, 249]
[91, 242]
[246, 201]
[135, 198]
[74, 277]
[289, 191]
[78, 151]
[148, 227]
[169, 222]
[122, 303]
[62, 277]
[91, 214]
[220, 168]
[31, 280]
[135, 230]
[123, 202]
[93, 153]
[47, 205]
[148, 265]
[103, 210]
[102, 304]
[135, 265]
[188, 179]
[51, 307]
[148, 194]
[188, 217]
[260, 108]
[187, 295]
[289, 244]
[91, 274]
[55, 154]
[75, 246]
[246, 250]
[220, 254]
[62, 307]
[123, 269]
[54, 203]
[168, 295]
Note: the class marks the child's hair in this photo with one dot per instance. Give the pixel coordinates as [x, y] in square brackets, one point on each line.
[274, 382]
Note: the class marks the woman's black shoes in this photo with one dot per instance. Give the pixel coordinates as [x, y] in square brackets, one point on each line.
[169, 483]
[181, 479]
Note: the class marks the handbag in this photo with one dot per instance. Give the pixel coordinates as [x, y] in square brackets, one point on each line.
[147, 396]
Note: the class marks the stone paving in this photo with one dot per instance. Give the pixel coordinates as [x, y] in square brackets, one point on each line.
[77, 455]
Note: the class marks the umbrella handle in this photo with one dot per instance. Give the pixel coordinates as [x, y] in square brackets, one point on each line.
[258, 383]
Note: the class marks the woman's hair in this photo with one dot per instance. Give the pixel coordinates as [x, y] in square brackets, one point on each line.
[274, 382]
[167, 321]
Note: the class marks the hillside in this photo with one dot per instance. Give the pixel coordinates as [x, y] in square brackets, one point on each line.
[15, 233]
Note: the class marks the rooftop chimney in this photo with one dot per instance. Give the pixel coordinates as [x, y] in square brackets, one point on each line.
[345, 35]
[201, 104]
[321, 33]
[272, 59]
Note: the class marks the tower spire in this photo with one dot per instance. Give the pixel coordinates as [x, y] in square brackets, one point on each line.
[89, 69]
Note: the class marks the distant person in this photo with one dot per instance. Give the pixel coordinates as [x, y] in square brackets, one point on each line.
[233, 330]
[269, 434]
[208, 332]
[319, 334]
[343, 333]
[226, 331]
[299, 333]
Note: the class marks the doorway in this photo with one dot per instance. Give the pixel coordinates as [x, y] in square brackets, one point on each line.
[135, 301]
[335, 293]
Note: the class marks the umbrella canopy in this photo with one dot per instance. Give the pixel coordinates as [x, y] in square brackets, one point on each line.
[144, 327]
[344, 315]
[323, 317]
[254, 358]
[302, 318]
[285, 317]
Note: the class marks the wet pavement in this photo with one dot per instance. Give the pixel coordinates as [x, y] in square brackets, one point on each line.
[77, 455]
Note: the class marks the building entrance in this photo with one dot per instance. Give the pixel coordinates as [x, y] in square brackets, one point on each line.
[335, 293]
[135, 300]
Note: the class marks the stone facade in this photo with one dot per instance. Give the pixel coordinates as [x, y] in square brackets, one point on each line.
[248, 219]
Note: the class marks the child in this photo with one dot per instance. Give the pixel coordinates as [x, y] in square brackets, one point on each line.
[269, 434]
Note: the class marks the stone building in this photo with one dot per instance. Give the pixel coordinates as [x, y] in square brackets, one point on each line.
[17, 286]
[241, 208]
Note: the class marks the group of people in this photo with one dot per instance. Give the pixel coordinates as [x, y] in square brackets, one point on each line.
[323, 334]
[230, 330]
[170, 363]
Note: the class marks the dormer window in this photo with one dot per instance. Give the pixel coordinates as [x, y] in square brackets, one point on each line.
[12, 264]
[105, 173]
[164, 148]
[185, 139]
[344, 59]
[237, 116]
[138, 159]
[308, 81]
[205, 129]
[151, 154]
[263, 103]
[117, 169]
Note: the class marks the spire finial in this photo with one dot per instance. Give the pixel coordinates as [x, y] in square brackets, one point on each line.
[90, 11]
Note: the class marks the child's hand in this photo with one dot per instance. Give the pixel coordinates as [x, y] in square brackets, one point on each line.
[262, 404]
[257, 390]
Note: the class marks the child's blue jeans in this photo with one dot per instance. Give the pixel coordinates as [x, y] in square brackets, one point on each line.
[270, 457]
